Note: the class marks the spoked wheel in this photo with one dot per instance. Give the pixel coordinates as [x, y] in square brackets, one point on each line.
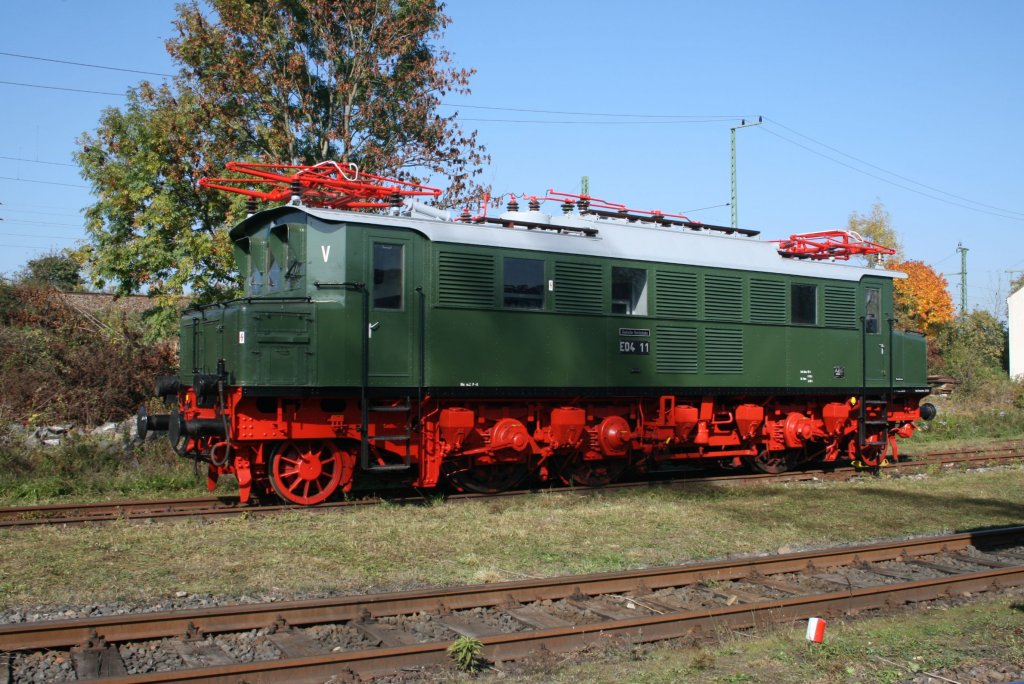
[487, 478]
[771, 462]
[868, 456]
[597, 472]
[306, 472]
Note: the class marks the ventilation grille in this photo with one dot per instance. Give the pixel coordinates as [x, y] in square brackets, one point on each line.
[723, 298]
[723, 351]
[676, 294]
[465, 280]
[578, 287]
[675, 350]
[767, 301]
[840, 307]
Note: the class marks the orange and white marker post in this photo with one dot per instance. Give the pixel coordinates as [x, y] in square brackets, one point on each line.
[815, 630]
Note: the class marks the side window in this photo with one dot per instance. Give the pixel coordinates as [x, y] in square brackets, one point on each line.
[387, 275]
[803, 304]
[629, 291]
[872, 310]
[524, 283]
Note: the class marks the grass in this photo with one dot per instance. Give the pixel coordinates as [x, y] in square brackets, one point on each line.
[968, 421]
[879, 650]
[391, 546]
[91, 469]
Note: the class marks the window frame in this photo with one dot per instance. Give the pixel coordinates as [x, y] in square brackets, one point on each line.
[798, 304]
[877, 306]
[375, 296]
[638, 302]
[540, 298]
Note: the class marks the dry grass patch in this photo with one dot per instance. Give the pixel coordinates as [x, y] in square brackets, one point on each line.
[391, 546]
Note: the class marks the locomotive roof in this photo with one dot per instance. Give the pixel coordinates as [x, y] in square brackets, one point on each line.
[587, 236]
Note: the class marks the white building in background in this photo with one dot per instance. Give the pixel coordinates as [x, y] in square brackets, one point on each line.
[1015, 305]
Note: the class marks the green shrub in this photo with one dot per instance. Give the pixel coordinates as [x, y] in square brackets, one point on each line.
[465, 652]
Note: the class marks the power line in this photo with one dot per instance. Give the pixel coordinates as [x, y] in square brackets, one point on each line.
[11, 207]
[645, 119]
[29, 180]
[83, 64]
[891, 173]
[42, 213]
[35, 247]
[599, 123]
[70, 90]
[44, 223]
[721, 117]
[890, 182]
[48, 237]
[38, 161]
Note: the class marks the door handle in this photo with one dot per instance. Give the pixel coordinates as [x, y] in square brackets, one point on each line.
[371, 327]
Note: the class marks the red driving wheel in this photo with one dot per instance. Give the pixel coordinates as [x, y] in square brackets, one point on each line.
[306, 473]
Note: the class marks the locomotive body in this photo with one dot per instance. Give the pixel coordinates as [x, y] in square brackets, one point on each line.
[421, 350]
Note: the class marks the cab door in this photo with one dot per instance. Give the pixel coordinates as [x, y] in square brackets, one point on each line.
[876, 323]
[394, 308]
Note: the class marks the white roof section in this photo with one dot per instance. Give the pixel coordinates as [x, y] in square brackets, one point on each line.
[614, 237]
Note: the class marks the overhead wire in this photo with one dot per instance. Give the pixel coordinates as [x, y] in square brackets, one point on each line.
[41, 223]
[720, 117]
[886, 180]
[891, 173]
[637, 118]
[83, 64]
[37, 161]
[11, 209]
[594, 122]
[31, 180]
[70, 90]
[48, 237]
[33, 247]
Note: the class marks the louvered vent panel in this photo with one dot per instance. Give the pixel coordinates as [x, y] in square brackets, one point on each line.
[767, 301]
[723, 351]
[840, 307]
[465, 280]
[723, 298]
[675, 350]
[578, 288]
[676, 294]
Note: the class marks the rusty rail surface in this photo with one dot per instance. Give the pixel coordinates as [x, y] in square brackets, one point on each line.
[219, 507]
[966, 562]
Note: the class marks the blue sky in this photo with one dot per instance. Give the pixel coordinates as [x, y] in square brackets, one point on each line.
[923, 97]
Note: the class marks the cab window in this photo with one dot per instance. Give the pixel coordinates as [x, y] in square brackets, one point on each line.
[388, 276]
[872, 310]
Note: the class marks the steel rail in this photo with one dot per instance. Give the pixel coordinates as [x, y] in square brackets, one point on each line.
[645, 629]
[218, 507]
[139, 626]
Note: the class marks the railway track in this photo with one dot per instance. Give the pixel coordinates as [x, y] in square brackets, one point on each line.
[220, 507]
[372, 635]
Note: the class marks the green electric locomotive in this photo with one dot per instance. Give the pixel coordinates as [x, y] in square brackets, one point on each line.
[381, 338]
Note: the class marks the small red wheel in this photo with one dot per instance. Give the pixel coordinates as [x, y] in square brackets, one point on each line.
[306, 473]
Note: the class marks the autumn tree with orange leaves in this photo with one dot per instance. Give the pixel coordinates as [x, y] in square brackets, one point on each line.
[922, 300]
